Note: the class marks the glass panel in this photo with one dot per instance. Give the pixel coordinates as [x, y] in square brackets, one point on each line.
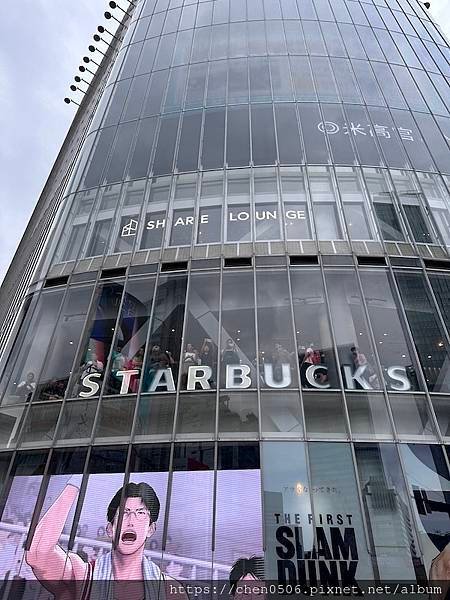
[276, 343]
[324, 415]
[281, 415]
[140, 155]
[356, 210]
[213, 139]
[412, 416]
[356, 354]
[40, 424]
[410, 198]
[267, 214]
[99, 336]
[264, 150]
[77, 421]
[287, 510]
[297, 220]
[312, 328]
[31, 356]
[289, 145]
[130, 343]
[162, 361]
[385, 501]
[313, 136]
[196, 415]
[201, 332]
[238, 413]
[394, 349]
[238, 137]
[58, 364]
[238, 325]
[426, 330]
[368, 416]
[154, 418]
[384, 206]
[189, 141]
[115, 418]
[217, 83]
[238, 220]
[324, 201]
[438, 202]
[165, 149]
[332, 469]
[428, 485]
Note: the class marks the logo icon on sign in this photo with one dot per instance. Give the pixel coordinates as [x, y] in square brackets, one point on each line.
[130, 228]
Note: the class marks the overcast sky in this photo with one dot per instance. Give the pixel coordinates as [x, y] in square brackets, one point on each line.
[41, 45]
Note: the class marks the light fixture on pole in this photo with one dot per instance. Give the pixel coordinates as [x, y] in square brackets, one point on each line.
[84, 69]
[79, 79]
[87, 60]
[75, 88]
[102, 29]
[108, 15]
[70, 101]
[92, 48]
[115, 5]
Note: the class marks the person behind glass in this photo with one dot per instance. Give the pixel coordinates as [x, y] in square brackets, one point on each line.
[229, 356]
[136, 364]
[92, 366]
[190, 358]
[206, 356]
[26, 387]
[360, 360]
[157, 360]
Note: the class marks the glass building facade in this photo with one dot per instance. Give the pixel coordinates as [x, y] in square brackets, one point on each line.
[245, 302]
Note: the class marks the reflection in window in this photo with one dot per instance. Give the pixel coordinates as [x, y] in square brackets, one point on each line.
[438, 202]
[31, 356]
[58, 364]
[99, 239]
[129, 346]
[312, 328]
[356, 355]
[383, 202]
[202, 327]
[163, 355]
[238, 342]
[286, 491]
[368, 415]
[410, 199]
[238, 413]
[324, 201]
[238, 222]
[182, 227]
[426, 330]
[267, 213]
[428, 485]
[356, 211]
[394, 351]
[281, 415]
[276, 344]
[385, 501]
[296, 213]
[99, 336]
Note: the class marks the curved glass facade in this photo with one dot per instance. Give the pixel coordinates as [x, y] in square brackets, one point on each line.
[245, 305]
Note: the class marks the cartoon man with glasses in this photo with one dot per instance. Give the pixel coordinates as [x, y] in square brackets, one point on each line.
[124, 572]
